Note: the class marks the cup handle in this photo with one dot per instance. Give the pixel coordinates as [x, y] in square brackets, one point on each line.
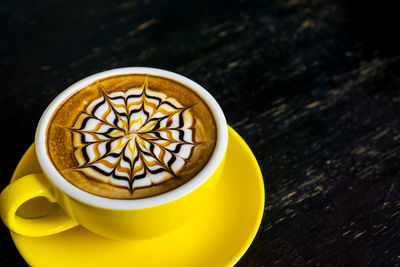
[22, 190]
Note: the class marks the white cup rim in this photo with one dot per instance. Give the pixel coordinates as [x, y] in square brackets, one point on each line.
[109, 203]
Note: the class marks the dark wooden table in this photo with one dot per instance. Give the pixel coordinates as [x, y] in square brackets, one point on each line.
[312, 86]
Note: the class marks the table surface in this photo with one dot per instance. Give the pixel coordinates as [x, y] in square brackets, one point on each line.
[312, 86]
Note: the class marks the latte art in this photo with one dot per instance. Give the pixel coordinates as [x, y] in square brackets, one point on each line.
[133, 139]
[131, 136]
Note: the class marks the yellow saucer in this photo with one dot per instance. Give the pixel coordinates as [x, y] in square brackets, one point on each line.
[218, 236]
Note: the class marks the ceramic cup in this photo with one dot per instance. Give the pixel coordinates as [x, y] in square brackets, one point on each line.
[112, 218]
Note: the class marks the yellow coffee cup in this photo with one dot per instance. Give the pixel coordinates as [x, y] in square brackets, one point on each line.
[110, 217]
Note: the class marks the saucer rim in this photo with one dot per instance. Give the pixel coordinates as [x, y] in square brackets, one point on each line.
[261, 188]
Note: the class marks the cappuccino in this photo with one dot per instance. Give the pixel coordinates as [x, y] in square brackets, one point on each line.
[131, 136]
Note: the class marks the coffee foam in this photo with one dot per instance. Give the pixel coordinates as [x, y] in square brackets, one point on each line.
[133, 139]
[134, 142]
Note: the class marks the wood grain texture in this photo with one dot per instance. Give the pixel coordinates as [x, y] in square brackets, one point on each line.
[312, 86]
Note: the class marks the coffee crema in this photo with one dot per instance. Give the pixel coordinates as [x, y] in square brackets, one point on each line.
[131, 136]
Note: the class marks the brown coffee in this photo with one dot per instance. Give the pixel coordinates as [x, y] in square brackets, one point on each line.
[131, 136]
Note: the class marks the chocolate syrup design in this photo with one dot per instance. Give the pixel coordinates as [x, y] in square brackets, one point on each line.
[133, 138]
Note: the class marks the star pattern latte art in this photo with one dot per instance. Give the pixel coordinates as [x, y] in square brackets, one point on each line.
[133, 138]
